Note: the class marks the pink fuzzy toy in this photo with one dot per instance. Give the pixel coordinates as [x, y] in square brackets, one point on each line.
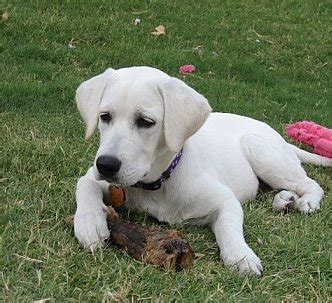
[312, 134]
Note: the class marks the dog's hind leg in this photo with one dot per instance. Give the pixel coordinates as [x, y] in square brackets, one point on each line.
[277, 164]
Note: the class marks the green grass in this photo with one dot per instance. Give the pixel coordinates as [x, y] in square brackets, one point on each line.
[281, 78]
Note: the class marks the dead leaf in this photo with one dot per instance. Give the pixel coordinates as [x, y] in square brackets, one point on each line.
[160, 30]
[5, 15]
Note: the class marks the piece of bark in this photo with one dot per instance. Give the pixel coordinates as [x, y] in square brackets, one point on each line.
[117, 195]
[152, 245]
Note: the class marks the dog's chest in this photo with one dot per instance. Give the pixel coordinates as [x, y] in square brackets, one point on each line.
[156, 203]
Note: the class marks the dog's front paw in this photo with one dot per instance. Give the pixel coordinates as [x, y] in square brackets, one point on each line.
[244, 260]
[91, 229]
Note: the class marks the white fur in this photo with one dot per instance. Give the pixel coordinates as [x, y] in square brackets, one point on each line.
[221, 163]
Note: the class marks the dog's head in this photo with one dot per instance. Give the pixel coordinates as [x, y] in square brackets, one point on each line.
[142, 114]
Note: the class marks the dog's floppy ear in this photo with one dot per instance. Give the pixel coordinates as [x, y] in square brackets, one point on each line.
[88, 97]
[185, 111]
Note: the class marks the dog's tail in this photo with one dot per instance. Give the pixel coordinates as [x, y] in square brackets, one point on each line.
[306, 157]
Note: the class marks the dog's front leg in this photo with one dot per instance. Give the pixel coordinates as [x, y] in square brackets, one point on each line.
[227, 226]
[90, 224]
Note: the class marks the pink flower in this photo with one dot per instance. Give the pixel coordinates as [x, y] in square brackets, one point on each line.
[189, 68]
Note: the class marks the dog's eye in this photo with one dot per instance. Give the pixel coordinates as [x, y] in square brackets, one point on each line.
[145, 122]
[105, 117]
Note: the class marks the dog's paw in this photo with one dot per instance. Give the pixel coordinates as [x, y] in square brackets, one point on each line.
[284, 200]
[91, 229]
[305, 206]
[288, 199]
[244, 260]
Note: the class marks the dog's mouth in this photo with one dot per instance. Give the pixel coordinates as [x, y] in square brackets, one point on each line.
[112, 181]
[115, 181]
[107, 179]
[118, 181]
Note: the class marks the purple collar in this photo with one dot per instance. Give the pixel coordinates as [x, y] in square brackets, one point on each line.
[164, 176]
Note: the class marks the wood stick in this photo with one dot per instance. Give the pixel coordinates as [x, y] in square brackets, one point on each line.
[152, 245]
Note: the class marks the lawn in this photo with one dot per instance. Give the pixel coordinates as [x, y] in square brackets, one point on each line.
[264, 59]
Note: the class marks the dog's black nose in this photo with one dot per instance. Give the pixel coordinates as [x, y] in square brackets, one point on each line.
[108, 166]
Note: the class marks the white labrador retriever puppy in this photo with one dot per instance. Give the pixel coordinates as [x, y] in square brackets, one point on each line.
[145, 118]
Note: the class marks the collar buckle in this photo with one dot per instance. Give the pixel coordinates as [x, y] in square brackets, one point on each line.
[164, 176]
